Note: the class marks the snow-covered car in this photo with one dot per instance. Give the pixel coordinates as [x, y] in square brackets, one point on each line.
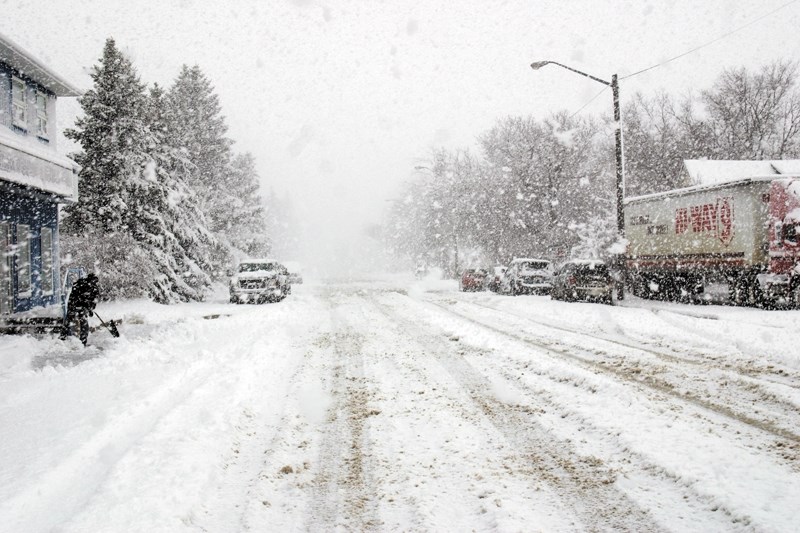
[526, 275]
[294, 268]
[472, 279]
[495, 277]
[583, 279]
[258, 281]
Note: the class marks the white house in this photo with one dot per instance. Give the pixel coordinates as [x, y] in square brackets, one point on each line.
[34, 179]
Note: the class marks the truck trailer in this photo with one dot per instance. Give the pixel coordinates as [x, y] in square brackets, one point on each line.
[743, 234]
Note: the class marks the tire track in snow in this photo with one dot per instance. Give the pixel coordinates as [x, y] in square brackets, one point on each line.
[586, 487]
[666, 484]
[276, 458]
[671, 357]
[343, 493]
[736, 388]
[649, 381]
[444, 466]
[764, 373]
[789, 376]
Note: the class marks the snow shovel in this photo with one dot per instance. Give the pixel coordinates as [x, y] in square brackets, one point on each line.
[111, 327]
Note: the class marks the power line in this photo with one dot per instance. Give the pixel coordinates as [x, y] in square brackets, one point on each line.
[711, 42]
[595, 97]
[721, 37]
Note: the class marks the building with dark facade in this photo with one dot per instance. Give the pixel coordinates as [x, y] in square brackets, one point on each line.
[34, 180]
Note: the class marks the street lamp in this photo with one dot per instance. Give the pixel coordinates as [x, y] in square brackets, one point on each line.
[620, 182]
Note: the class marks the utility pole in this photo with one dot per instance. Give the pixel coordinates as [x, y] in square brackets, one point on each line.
[620, 174]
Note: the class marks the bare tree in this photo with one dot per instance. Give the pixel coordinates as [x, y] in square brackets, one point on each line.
[653, 145]
[754, 115]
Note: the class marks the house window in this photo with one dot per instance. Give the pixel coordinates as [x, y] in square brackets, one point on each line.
[23, 260]
[19, 103]
[791, 233]
[47, 260]
[41, 114]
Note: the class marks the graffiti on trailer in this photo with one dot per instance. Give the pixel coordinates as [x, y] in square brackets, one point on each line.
[713, 218]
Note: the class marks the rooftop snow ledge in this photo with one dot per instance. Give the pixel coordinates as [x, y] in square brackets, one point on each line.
[42, 169]
[16, 56]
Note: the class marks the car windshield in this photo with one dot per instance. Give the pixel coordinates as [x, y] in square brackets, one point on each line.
[255, 267]
[534, 265]
[593, 269]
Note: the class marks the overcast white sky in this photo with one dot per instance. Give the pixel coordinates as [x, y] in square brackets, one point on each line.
[338, 100]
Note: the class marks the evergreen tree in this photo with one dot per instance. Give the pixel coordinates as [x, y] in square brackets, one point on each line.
[107, 228]
[130, 222]
[111, 134]
[197, 127]
[185, 242]
[225, 188]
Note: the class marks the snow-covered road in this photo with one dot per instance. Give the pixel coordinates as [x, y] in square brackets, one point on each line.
[400, 405]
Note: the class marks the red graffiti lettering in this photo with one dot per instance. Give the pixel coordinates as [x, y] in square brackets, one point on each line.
[725, 220]
[697, 218]
[681, 220]
[709, 219]
[714, 218]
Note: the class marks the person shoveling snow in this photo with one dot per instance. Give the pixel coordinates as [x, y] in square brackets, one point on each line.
[82, 301]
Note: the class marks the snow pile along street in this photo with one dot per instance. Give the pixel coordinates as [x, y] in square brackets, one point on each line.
[397, 405]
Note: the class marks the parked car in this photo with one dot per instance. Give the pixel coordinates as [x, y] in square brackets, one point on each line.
[526, 275]
[583, 279]
[472, 279]
[294, 268]
[258, 281]
[494, 278]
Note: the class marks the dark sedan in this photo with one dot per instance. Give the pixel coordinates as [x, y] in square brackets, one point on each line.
[587, 279]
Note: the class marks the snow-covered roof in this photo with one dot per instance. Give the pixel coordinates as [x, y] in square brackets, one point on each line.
[706, 187]
[266, 260]
[710, 172]
[14, 55]
[521, 259]
[591, 262]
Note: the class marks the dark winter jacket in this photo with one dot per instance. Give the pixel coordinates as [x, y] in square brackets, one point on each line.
[85, 294]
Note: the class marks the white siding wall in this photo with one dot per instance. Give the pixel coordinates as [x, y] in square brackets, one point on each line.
[5, 97]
